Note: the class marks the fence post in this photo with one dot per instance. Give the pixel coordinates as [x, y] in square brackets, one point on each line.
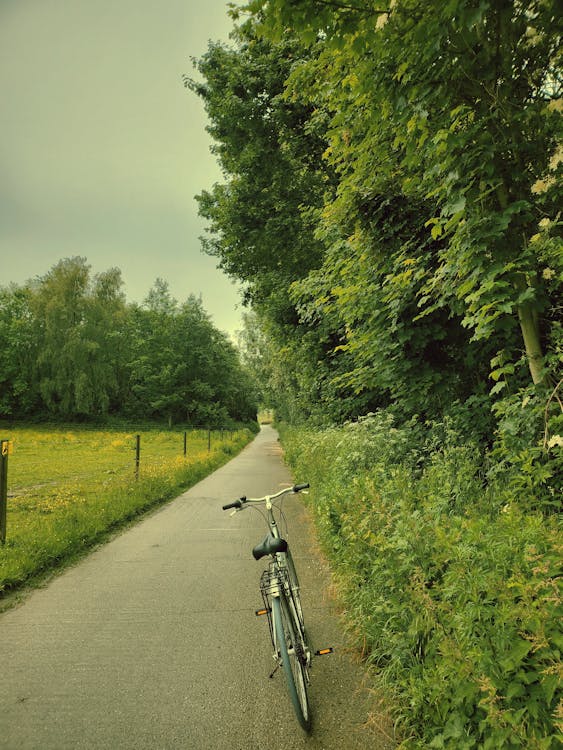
[185, 444]
[4, 450]
[208, 440]
[137, 456]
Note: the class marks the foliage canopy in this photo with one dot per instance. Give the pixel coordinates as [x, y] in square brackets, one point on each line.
[71, 348]
[408, 255]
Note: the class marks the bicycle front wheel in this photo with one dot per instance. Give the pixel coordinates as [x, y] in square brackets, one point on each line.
[291, 651]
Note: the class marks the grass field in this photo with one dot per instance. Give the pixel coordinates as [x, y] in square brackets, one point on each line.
[67, 487]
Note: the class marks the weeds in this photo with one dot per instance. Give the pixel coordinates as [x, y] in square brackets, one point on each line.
[451, 586]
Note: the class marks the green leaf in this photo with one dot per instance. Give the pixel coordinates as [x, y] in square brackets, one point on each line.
[401, 70]
[550, 683]
[520, 649]
[437, 741]
[527, 295]
[454, 208]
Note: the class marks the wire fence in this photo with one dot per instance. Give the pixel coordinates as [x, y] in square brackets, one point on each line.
[53, 460]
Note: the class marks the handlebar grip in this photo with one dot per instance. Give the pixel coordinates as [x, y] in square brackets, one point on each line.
[237, 504]
[299, 487]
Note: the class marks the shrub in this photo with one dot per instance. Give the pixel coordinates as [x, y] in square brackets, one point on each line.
[450, 585]
[528, 450]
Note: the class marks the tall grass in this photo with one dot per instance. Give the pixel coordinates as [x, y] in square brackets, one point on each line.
[451, 586]
[68, 487]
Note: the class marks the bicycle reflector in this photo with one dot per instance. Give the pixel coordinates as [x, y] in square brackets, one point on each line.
[324, 651]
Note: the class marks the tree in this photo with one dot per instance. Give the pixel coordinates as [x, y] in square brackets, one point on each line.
[71, 348]
[182, 368]
[457, 104]
[76, 319]
[273, 160]
[18, 351]
[263, 219]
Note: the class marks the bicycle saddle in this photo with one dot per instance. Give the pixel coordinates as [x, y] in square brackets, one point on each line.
[269, 546]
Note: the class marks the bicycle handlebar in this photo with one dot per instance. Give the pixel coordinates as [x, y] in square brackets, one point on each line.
[238, 504]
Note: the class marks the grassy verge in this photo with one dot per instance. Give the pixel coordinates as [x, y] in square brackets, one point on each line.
[451, 586]
[68, 487]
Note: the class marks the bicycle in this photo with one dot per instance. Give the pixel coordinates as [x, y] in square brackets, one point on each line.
[279, 586]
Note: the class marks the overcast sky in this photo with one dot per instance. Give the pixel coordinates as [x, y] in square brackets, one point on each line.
[102, 149]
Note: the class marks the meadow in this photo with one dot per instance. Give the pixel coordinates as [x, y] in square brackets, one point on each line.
[69, 487]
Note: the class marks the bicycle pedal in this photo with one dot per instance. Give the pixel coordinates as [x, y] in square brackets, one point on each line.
[324, 651]
[261, 612]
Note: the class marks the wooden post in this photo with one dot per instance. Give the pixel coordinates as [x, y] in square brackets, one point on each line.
[185, 444]
[137, 456]
[208, 440]
[4, 449]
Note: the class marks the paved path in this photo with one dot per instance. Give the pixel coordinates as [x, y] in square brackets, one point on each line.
[151, 642]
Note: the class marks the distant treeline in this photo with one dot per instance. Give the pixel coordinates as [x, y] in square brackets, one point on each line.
[72, 348]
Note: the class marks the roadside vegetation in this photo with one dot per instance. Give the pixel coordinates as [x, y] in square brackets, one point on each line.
[68, 487]
[450, 584]
[391, 203]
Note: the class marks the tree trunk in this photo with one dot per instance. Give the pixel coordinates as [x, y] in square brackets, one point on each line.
[531, 334]
[530, 327]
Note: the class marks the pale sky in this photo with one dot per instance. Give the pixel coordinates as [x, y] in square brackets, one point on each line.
[102, 148]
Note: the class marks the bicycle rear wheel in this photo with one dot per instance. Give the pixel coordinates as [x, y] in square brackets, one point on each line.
[291, 651]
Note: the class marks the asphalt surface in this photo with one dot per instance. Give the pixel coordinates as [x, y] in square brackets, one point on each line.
[151, 642]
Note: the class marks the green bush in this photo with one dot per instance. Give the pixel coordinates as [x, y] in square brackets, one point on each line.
[528, 450]
[450, 585]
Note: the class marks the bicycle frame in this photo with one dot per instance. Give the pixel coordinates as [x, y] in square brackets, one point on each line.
[281, 580]
[279, 586]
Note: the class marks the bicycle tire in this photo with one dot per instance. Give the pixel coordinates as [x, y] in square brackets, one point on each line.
[292, 666]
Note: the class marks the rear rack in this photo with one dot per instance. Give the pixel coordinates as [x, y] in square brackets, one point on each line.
[271, 580]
